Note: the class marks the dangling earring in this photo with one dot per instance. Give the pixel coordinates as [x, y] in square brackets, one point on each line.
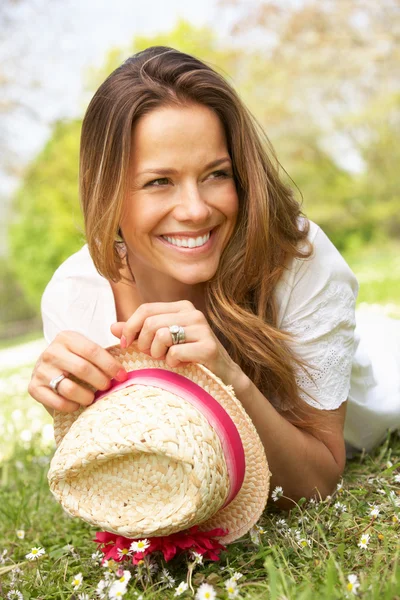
[118, 237]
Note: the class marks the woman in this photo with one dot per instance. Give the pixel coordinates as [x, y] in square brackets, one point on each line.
[189, 225]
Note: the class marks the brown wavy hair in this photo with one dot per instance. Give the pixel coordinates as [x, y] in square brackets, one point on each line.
[239, 298]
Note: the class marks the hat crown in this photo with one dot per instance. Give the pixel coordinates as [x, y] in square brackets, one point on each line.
[158, 470]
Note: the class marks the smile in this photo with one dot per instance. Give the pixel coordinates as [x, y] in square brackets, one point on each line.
[189, 245]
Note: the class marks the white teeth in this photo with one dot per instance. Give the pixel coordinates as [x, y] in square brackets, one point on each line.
[188, 242]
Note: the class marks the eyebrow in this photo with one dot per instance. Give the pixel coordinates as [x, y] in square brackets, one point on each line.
[169, 171]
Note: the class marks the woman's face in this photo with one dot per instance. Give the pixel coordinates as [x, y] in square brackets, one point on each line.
[181, 188]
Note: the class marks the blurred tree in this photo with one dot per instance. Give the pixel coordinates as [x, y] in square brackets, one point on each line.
[332, 68]
[47, 225]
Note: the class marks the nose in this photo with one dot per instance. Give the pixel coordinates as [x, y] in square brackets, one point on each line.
[192, 205]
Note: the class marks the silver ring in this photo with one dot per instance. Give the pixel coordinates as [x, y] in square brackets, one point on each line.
[177, 334]
[54, 383]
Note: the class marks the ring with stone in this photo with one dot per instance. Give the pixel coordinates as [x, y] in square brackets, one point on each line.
[177, 334]
[55, 382]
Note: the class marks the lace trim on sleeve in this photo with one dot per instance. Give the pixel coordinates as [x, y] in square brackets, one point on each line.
[325, 338]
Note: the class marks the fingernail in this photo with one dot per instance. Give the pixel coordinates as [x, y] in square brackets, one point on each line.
[123, 341]
[122, 375]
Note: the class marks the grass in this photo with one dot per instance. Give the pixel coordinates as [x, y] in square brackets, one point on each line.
[308, 555]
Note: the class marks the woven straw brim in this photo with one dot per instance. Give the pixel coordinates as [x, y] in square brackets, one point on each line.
[166, 492]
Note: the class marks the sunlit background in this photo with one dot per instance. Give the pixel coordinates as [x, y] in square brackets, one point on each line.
[321, 76]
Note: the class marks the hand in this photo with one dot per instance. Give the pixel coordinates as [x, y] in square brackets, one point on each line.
[150, 324]
[73, 354]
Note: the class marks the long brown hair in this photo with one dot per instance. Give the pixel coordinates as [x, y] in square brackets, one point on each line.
[239, 298]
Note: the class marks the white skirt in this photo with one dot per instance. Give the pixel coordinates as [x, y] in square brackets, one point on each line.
[374, 399]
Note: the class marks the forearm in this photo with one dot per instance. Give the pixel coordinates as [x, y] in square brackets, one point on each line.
[299, 462]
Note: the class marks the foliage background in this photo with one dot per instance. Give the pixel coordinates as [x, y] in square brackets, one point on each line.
[316, 76]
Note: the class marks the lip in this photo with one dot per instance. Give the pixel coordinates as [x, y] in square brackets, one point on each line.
[199, 250]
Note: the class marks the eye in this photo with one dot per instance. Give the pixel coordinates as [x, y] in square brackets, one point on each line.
[157, 182]
[221, 174]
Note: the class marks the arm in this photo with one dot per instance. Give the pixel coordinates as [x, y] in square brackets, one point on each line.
[299, 461]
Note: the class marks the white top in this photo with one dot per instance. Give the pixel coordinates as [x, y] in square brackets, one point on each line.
[316, 299]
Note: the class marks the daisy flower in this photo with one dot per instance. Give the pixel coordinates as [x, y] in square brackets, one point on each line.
[117, 590]
[100, 588]
[35, 553]
[277, 493]
[374, 511]
[20, 534]
[139, 546]
[12, 594]
[97, 556]
[339, 487]
[236, 576]
[281, 524]
[77, 581]
[303, 543]
[340, 507]
[198, 558]
[231, 588]
[397, 478]
[206, 592]
[166, 577]
[364, 540]
[352, 584]
[389, 464]
[182, 587]
[123, 552]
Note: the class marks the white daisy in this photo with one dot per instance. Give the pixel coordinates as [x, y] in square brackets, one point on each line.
[364, 540]
[397, 478]
[303, 543]
[123, 552]
[198, 558]
[353, 584]
[374, 512]
[182, 587]
[20, 534]
[125, 577]
[206, 592]
[339, 507]
[236, 576]
[166, 577]
[277, 493]
[12, 594]
[389, 464]
[339, 487]
[35, 553]
[139, 546]
[97, 556]
[117, 590]
[231, 588]
[77, 581]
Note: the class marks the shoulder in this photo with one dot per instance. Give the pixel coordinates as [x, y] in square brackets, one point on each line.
[78, 298]
[324, 273]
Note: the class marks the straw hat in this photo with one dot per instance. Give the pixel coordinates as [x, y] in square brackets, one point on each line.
[169, 449]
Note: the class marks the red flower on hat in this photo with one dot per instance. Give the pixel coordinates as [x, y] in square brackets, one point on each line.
[201, 542]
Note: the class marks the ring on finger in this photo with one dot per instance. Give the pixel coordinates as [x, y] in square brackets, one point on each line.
[55, 382]
[177, 334]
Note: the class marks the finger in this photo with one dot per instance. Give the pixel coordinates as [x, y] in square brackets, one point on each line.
[161, 339]
[65, 360]
[98, 356]
[69, 389]
[135, 323]
[48, 398]
[116, 328]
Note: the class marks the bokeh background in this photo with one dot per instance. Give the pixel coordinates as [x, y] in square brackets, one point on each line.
[321, 76]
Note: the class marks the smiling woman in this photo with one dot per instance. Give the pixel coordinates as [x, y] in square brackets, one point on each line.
[198, 251]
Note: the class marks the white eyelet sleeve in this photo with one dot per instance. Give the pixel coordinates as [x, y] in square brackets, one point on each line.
[317, 304]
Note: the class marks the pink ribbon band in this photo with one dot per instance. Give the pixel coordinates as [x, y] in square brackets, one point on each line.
[215, 414]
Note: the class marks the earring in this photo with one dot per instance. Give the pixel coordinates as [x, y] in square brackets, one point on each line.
[118, 237]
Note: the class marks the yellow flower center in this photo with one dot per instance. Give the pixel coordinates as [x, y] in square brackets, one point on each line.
[350, 586]
[207, 595]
